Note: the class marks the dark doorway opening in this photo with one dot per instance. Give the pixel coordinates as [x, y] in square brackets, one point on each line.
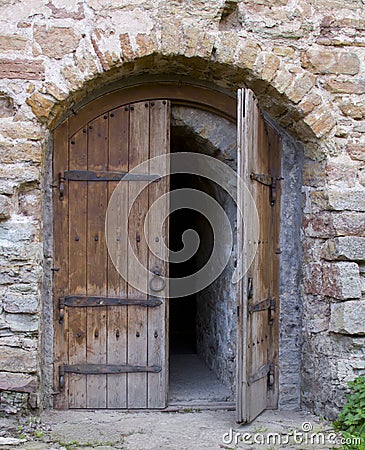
[199, 368]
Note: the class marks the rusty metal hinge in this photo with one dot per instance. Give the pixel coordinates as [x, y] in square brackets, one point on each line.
[103, 175]
[105, 369]
[268, 303]
[265, 370]
[267, 180]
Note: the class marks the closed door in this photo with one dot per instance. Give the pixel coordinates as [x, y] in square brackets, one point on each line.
[110, 337]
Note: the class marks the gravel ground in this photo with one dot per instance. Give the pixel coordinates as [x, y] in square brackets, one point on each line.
[188, 430]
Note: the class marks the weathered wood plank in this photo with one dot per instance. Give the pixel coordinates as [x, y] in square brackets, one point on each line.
[60, 260]
[97, 260]
[158, 259]
[257, 338]
[117, 315]
[77, 269]
[137, 317]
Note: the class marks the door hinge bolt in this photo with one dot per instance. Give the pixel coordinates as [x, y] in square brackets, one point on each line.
[61, 378]
[271, 376]
[61, 307]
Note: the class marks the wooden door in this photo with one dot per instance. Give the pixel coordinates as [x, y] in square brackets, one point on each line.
[110, 338]
[258, 244]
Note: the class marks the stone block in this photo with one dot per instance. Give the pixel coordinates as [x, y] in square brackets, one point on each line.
[7, 108]
[5, 207]
[56, 42]
[41, 105]
[331, 61]
[13, 42]
[21, 130]
[247, 53]
[303, 83]
[22, 322]
[312, 278]
[20, 303]
[347, 248]
[342, 170]
[314, 174]
[18, 382]
[22, 69]
[341, 280]
[282, 79]
[346, 86]
[346, 199]
[353, 109]
[349, 223]
[20, 172]
[321, 120]
[309, 102]
[348, 318]
[15, 359]
[267, 65]
[127, 52]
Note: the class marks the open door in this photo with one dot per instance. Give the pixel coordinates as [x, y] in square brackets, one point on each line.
[110, 338]
[258, 244]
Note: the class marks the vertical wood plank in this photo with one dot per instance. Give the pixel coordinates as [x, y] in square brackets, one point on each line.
[117, 286]
[97, 260]
[60, 230]
[137, 316]
[77, 268]
[158, 236]
[257, 338]
[275, 171]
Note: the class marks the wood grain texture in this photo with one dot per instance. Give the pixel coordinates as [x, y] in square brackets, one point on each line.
[137, 316]
[257, 337]
[97, 260]
[77, 258]
[60, 261]
[158, 258]
[115, 334]
[118, 316]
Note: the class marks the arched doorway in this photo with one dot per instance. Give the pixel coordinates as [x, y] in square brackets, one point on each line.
[92, 371]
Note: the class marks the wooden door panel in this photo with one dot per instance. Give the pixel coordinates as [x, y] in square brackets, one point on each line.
[97, 200]
[118, 316]
[137, 316]
[77, 318]
[157, 337]
[98, 347]
[259, 167]
[60, 261]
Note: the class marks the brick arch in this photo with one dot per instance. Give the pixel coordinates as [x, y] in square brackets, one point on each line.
[287, 92]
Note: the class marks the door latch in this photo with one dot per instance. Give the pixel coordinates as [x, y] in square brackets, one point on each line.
[271, 376]
[61, 184]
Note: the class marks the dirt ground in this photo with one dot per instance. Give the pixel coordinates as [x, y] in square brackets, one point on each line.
[185, 430]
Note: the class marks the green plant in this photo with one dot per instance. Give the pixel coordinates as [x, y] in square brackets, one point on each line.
[351, 420]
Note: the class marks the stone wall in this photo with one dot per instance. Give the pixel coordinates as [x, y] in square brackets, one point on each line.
[305, 62]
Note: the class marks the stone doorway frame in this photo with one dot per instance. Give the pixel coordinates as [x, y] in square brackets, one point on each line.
[205, 96]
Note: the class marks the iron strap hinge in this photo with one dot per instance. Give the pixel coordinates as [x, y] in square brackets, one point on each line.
[87, 301]
[268, 303]
[267, 180]
[103, 175]
[103, 369]
[265, 370]
[261, 306]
